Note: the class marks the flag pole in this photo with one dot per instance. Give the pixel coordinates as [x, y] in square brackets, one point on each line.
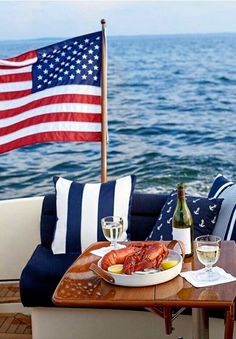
[104, 105]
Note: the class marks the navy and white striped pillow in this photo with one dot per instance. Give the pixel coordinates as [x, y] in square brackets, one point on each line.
[226, 223]
[80, 208]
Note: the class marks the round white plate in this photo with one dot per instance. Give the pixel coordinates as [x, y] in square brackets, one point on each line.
[146, 278]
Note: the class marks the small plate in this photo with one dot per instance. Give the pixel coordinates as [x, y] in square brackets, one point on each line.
[147, 278]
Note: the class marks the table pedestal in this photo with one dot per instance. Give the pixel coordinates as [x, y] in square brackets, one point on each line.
[201, 319]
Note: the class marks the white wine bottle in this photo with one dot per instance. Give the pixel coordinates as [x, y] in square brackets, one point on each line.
[182, 222]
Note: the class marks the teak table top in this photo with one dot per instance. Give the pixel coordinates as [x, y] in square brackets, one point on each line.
[80, 287]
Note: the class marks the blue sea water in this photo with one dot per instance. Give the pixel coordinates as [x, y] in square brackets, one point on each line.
[171, 111]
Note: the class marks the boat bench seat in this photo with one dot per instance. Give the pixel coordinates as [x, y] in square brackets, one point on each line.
[44, 269]
[41, 276]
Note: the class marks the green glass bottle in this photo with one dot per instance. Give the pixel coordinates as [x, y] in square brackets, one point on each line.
[182, 222]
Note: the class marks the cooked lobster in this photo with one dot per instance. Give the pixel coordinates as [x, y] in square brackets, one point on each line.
[137, 256]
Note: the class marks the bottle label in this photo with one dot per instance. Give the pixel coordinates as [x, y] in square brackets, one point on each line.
[184, 235]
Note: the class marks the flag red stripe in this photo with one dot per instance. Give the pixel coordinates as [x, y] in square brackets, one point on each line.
[14, 94]
[57, 99]
[47, 118]
[15, 77]
[49, 137]
[24, 56]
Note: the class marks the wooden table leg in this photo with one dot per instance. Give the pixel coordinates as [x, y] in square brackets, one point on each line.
[166, 314]
[200, 323]
[168, 319]
[229, 323]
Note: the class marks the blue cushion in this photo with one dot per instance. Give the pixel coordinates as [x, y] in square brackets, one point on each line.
[80, 208]
[204, 213]
[41, 276]
[48, 220]
[145, 210]
[226, 223]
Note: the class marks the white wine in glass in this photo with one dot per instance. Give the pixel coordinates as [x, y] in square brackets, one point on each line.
[112, 227]
[208, 253]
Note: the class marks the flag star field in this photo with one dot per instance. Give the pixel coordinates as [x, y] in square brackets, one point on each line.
[75, 61]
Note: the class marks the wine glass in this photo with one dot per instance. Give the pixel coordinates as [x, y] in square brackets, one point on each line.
[112, 227]
[208, 252]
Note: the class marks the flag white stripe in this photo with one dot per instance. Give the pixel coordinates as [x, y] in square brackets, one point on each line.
[69, 126]
[54, 91]
[15, 86]
[59, 242]
[121, 201]
[53, 108]
[89, 215]
[18, 63]
[26, 69]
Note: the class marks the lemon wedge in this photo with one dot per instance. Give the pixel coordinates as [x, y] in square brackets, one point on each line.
[117, 269]
[169, 264]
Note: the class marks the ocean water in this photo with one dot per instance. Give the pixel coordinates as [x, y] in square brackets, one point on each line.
[171, 111]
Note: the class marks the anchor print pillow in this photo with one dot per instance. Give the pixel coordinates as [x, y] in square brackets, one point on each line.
[204, 213]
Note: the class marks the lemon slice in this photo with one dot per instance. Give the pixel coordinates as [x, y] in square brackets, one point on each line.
[169, 264]
[117, 269]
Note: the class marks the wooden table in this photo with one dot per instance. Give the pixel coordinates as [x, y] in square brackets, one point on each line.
[80, 287]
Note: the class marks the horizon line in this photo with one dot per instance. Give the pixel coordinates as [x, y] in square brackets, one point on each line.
[124, 36]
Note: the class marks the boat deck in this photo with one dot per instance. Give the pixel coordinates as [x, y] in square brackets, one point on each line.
[13, 325]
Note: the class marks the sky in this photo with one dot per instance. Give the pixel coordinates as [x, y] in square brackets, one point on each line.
[39, 19]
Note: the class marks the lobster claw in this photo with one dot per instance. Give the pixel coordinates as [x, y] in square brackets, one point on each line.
[116, 257]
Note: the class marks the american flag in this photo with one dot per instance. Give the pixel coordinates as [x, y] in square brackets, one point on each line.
[52, 94]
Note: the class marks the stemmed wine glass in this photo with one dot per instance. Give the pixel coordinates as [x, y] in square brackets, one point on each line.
[208, 252]
[112, 227]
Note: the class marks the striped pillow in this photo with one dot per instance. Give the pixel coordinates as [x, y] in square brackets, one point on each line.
[226, 223]
[80, 208]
